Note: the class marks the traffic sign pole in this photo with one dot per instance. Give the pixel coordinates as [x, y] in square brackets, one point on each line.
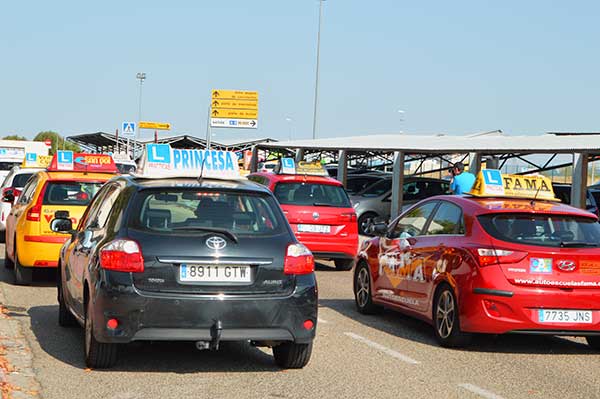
[208, 128]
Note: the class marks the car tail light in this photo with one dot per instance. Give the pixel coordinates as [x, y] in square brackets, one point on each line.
[122, 256]
[491, 256]
[298, 260]
[33, 214]
[348, 217]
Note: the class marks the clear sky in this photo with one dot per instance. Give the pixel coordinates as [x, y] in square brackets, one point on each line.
[455, 67]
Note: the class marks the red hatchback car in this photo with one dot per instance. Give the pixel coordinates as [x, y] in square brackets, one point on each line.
[486, 265]
[320, 213]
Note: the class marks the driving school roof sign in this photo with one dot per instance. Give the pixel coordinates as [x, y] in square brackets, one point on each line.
[491, 183]
[82, 162]
[161, 160]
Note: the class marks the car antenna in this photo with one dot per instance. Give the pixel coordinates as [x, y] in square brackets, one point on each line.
[201, 171]
[532, 203]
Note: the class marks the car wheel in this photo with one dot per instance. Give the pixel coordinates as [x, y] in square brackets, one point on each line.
[362, 290]
[343, 264]
[364, 221]
[446, 320]
[98, 355]
[289, 355]
[23, 275]
[593, 341]
[9, 264]
[65, 317]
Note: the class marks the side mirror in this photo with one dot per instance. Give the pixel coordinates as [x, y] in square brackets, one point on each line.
[378, 229]
[8, 196]
[64, 226]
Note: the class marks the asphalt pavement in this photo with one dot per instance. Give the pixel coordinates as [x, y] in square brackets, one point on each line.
[383, 356]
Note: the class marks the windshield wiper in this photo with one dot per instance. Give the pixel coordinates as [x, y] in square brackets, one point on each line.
[225, 232]
[575, 244]
[321, 204]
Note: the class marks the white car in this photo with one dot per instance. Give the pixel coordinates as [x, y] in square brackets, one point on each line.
[13, 183]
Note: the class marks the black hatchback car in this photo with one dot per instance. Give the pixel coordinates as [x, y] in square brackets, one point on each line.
[179, 259]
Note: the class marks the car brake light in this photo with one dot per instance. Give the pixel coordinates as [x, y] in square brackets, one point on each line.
[349, 217]
[122, 256]
[490, 256]
[33, 214]
[298, 260]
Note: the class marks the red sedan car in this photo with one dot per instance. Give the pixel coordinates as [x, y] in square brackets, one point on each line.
[320, 213]
[469, 264]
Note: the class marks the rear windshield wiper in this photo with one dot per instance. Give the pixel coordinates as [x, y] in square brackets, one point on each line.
[575, 244]
[321, 204]
[225, 232]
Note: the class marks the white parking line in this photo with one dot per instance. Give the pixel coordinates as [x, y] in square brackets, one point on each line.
[480, 391]
[320, 320]
[382, 348]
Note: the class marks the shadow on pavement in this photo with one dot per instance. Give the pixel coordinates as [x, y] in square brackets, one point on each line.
[41, 277]
[66, 345]
[402, 326]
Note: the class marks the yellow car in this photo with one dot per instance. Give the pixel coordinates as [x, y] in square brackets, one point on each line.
[64, 186]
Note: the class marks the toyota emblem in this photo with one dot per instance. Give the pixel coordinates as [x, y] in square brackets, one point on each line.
[315, 215]
[566, 265]
[216, 243]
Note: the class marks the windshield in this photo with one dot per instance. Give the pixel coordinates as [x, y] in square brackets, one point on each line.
[543, 230]
[377, 189]
[312, 194]
[20, 179]
[201, 211]
[70, 193]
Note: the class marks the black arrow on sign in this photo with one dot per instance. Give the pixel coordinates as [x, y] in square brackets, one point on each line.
[253, 123]
[215, 103]
[215, 112]
[215, 93]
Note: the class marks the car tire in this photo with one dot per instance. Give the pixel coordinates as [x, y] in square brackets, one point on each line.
[593, 341]
[343, 264]
[8, 263]
[364, 221]
[98, 355]
[23, 275]
[290, 355]
[446, 321]
[65, 317]
[362, 290]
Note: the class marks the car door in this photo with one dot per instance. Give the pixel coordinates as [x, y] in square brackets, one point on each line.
[16, 212]
[432, 251]
[396, 256]
[90, 233]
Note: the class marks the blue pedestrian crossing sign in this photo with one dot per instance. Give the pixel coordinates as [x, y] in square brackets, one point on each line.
[128, 129]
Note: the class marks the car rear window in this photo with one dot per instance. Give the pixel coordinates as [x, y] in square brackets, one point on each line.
[70, 193]
[546, 230]
[20, 179]
[184, 210]
[312, 194]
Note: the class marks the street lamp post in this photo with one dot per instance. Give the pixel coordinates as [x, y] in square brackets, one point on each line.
[290, 122]
[141, 76]
[314, 129]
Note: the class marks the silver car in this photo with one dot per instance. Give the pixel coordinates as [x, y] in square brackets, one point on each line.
[375, 200]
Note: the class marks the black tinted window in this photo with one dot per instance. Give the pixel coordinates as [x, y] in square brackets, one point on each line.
[377, 189]
[311, 194]
[179, 210]
[544, 230]
[70, 193]
[21, 179]
[447, 220]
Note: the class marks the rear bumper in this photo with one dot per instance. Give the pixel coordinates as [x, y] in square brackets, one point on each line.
[175, 317]
[501, 307]
[33, 252]
[332, 247]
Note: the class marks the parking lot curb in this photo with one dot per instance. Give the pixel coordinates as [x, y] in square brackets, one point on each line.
[17, 378]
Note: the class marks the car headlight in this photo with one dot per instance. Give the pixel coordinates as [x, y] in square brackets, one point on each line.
[356, 204]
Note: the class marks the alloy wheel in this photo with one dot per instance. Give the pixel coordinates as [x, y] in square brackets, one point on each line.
[445, 314]
[363, 288]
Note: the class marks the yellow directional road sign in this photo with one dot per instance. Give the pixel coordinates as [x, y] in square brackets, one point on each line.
[234, 104]
[234, 95]
[234, 113]
[154, 125]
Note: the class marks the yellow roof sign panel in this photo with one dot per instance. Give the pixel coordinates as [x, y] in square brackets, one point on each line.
[492, 183]
[234, 94]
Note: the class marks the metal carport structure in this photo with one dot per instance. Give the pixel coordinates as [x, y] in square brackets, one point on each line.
[400, 148]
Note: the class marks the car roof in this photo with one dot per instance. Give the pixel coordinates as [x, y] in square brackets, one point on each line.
[190, 182]
[298, 178]
[479, 205]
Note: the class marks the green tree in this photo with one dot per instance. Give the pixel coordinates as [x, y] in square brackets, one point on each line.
[58, 142]
[14, 137]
